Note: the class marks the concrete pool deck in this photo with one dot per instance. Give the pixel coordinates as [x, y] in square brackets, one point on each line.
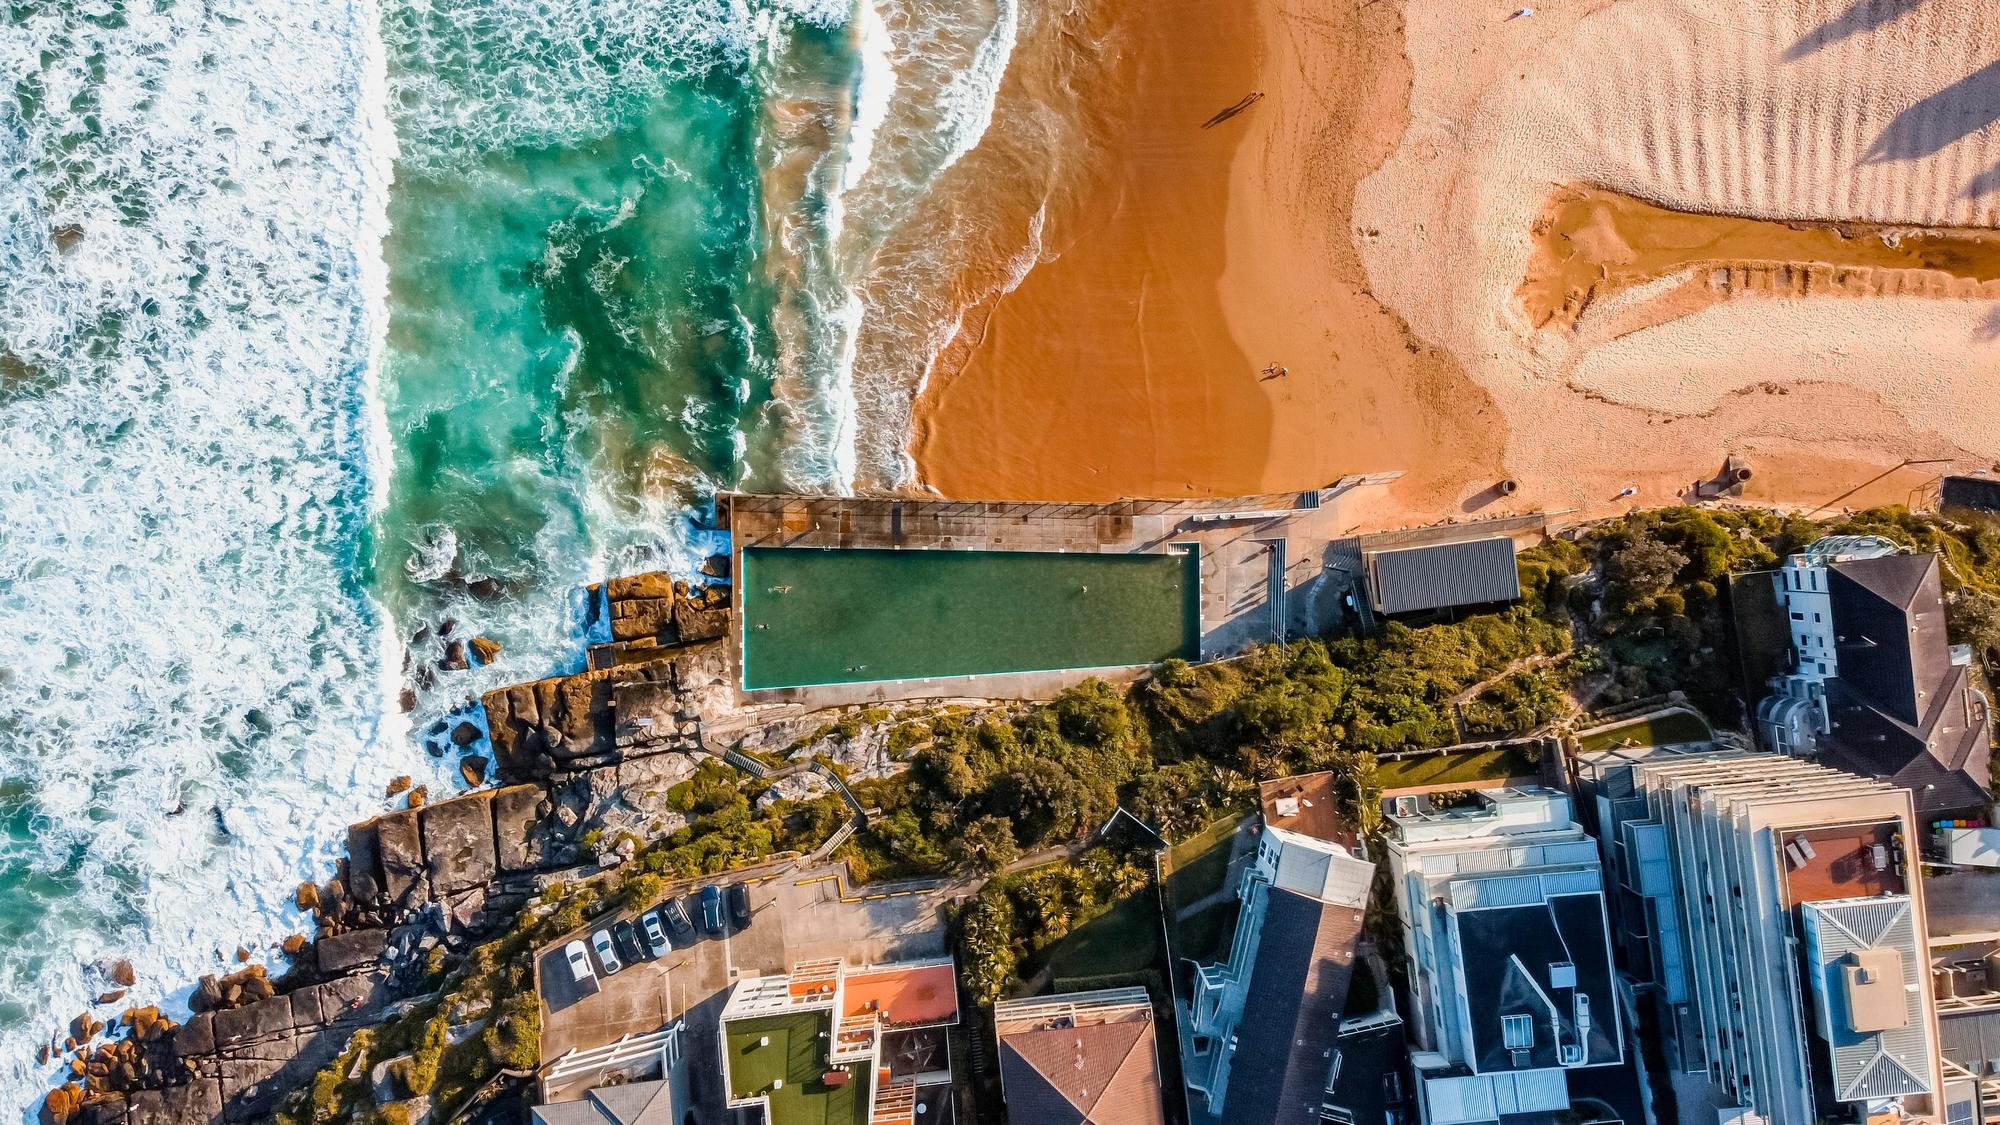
[1272, 567]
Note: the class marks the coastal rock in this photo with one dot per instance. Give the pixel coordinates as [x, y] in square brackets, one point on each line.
[406, 700]
[307, 896]
[472, 768]
[261, 1020]
[112, 997]
[420, 794]
[454, 657]
[458, 843]
[121, 973]
[518, 844]
[400, 784]
[485, 649]
[464, 734]
[694, 622]
[401, 851]
[352, 950]
[364, 864]
[294, 945]
[715, 566]
[197, 1101]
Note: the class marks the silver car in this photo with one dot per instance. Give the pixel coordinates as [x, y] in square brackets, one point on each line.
[656, 934]
[607, 954]
[579, 961]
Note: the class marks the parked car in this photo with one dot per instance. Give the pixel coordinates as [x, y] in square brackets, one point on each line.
[607, 956]
[711, 909]
[739, 905]
[656, 934]
[628, 941]
[579, 961]
[677, 921]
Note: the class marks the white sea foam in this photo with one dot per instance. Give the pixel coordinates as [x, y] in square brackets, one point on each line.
[874, 89]
[190, 689]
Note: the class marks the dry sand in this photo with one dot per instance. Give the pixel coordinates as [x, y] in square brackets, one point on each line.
[1371, 226]
[1806, 113]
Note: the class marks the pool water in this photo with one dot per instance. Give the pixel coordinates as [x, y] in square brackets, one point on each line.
[833, 616]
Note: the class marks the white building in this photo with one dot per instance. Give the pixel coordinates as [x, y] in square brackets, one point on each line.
[1502, 904]
[1868, 681]
[1263, 1024]
[1786, 872]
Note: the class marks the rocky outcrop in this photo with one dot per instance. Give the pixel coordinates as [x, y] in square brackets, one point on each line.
[458, 843]
[566, 724]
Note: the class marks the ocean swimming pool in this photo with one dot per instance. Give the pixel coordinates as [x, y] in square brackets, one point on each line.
[814, 616]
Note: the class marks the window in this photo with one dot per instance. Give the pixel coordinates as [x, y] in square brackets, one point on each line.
[1517, 1033]
[1797, 616]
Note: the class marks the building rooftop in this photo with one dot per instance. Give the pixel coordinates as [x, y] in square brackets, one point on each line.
[635, 1103]
[1841, 861]
[783, 1058]
[904, 996]
[1305, 805]
[1297, 989]
[1086, 1058]
[1538, 984]
[1409, 579]
[1865, 960]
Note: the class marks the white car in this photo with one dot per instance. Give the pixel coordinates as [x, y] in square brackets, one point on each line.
[656, 934]
[607, 954]
[579, 961]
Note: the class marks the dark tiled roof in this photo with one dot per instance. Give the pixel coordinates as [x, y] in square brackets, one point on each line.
[1370, 1060]
[1298, 985]
[1902, 710]
[1507, 956]
[637, 1103]
[1447, 574]
[1094, 1074]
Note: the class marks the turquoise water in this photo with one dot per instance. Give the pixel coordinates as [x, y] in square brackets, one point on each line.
[323, 320]
[813, 616]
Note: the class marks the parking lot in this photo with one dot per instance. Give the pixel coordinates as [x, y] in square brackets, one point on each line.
[796, 915]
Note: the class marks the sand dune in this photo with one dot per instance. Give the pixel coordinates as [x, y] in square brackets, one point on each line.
[1807, 112]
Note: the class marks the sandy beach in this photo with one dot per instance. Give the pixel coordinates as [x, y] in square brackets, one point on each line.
[1196, 322]
[1594, 249]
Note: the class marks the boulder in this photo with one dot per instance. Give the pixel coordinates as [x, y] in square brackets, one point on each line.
[454, 657]
[458, 843]
[354, 949]
[700, 622]
[715, 566]
[472, 768]
[484, 649]
[652, 584]
[400, 784]
[518, 844]
[400, 848]
[637, 618]
[196, 1037]
[464, 734]
[261, 1020]
[121, 973]
[364, 864]
[422, 793]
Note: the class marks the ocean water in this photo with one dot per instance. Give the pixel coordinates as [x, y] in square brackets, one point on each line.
[324, 320]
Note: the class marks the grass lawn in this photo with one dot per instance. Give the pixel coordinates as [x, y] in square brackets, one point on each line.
[1201, 871]
[1674, 726]
[1123, 939]
[1454, 769]
[796, 1054]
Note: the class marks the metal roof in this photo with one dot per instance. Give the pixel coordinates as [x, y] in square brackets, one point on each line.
[1445, 574]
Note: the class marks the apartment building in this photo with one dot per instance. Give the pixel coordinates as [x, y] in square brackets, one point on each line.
[1801, 934]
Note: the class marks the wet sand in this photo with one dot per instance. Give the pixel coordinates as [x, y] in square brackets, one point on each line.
[1592, 243]
[1199, 322]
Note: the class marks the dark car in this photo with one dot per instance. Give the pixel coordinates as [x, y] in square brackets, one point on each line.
[711, 910]
[739, 905]
[677, 922]
[628, 942]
